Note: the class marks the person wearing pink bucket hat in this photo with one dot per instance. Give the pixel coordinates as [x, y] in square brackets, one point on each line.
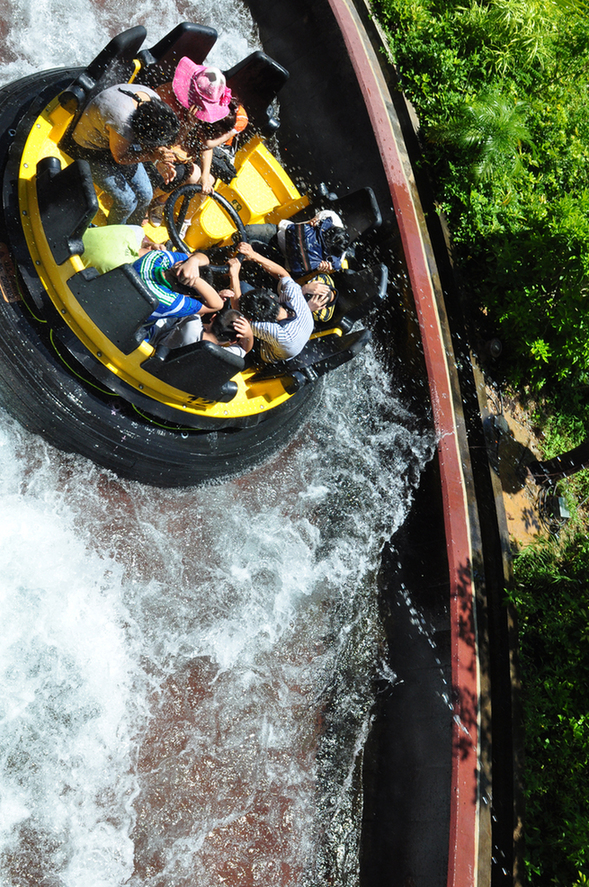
[210, 116]
[201, 90]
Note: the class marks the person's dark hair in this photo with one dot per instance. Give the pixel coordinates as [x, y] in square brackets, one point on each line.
[154, 124]
[222, 325]
[214, 130]
[260, 304]
[335, 240]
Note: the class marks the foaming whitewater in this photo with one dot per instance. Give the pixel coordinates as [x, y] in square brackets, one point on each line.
[186, 676]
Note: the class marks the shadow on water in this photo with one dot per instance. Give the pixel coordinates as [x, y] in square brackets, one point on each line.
[407, 758]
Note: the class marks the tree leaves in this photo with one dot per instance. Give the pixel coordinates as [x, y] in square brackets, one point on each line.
[552, 598]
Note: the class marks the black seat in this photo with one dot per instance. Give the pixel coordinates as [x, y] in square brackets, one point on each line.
[203, 369]
[359, 212]
[186, 39]
[67, 204]
[114, 64]
[118, 302]
[358, 293]
[256, 81]
[318, 357]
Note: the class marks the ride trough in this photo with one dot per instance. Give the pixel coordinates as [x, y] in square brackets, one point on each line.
[74, 363]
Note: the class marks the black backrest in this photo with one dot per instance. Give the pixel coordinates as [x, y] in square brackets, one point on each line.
[118, 302]
[319, 356]
[358, 211]
[186, 39]
[67, 204]
[325, 353]
[256, 81]
[358, 293]
[203, 369]
[114, 64]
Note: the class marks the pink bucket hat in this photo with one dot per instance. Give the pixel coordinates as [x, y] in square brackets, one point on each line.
[203, 87]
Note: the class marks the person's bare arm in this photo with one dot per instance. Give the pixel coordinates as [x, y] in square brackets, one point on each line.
[316, 302]
[188, 272]
[324, 265]
[234, 284]
[319, 294]
[166, 170]
[209, 296]
[220, 140]
[207, 180]
[315, 288]
[122, 151]
[273, 268]
[245, 336]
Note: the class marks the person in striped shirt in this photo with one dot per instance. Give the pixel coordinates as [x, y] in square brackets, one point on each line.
[174, 279]
[281, 323]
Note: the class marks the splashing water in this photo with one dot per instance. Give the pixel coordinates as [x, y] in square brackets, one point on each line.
[186, 675]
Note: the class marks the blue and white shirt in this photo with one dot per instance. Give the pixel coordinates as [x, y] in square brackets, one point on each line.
[150, 268]
[285, 338]
[303, 246]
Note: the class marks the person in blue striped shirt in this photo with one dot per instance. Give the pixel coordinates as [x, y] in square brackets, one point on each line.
[175, 280]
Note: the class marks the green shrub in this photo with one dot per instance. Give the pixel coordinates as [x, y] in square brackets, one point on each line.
[500, 88]
[551, 594]
[500, 91]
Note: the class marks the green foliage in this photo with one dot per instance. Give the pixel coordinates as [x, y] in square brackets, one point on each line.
[510, 29]
[564, 422]
[552, 599]
[500, 89]
[491, 128]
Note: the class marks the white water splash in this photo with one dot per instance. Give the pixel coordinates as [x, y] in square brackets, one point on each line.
[175, 665]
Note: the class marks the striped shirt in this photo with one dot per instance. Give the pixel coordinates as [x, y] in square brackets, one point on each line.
[150, 268]
[285, 338]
